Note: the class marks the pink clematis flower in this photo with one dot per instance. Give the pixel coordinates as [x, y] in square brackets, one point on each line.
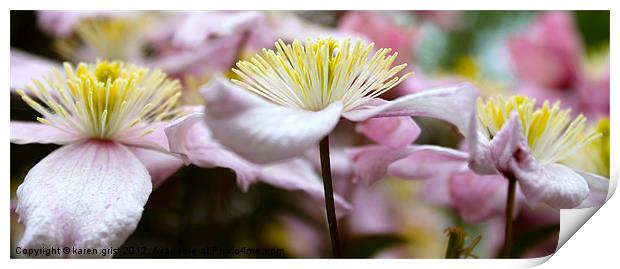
[285, 122]
[500, 146]
[90, 192]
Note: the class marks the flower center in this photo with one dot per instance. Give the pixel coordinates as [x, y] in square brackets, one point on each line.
[105, 37]
[105, 100]
[551, 133]
[321, 72]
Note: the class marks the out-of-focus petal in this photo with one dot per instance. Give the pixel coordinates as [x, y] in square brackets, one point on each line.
[381, 30]
[261, 131]
[371, 213]
[197, 27]
[548, 54]
[299, 174]
[372, 163]
[479, 198]
[192, 140]
[25, 67]
[393, 132]
[86, 195]
[160, 165]
[61, 23]
[215, 56]
[455, 104]
[23, 132]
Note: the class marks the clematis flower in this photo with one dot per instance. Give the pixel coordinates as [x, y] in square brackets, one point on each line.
[111, 35]
[517, 140]
[288, 100]
[90, 192]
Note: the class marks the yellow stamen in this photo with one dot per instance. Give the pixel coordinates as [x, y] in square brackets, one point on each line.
[594, 157]
[313, 75]
[104, 100]
[551, 133]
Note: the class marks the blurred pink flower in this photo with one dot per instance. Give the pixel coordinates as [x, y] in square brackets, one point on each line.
[380, 30]
[549, 53]
[548, 61]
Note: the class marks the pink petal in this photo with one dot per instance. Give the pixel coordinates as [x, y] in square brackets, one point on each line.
[299, 174]
[33, 132]
[371, 214]
[155, 140]
[372, 163]
[382, 31]
[199, 26]
[61, 23]
[479, 198]
[192, 140]
[455, 104]
[217, 55]
[160, 165]
[86, 195]
[25, 67]
[553, 184]
[393, 132]
[261, 131]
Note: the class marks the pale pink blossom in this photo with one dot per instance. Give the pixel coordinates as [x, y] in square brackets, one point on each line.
[90, 192]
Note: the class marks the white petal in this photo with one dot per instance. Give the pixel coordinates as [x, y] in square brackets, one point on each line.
[555, 184]
[33, 132]
[371, 163]
[192, 140]
[25, 67]
[599, 187]
[87, 195]
[261, 131]
[160, 165]
[455, 104]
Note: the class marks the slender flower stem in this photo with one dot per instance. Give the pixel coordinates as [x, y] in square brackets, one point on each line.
[510, 204]
[329, 197]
